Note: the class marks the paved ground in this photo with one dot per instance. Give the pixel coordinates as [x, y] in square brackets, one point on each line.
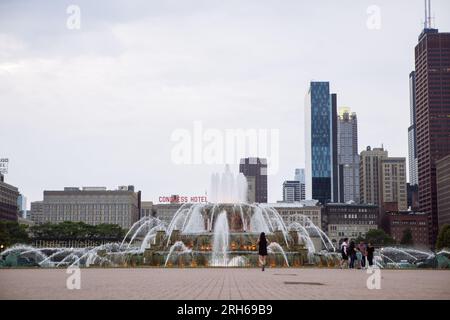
[154, 283]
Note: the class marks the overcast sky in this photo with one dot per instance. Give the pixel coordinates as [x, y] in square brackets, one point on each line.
[97, 106]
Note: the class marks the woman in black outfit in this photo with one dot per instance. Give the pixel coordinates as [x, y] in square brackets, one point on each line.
[262, 249]
[352, 254]
[370, 251]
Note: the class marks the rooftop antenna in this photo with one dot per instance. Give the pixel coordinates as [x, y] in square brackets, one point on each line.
[426, 15]
[427, 22]
[429, 14]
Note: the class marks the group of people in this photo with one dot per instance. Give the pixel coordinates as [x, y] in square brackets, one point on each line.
[356, 256]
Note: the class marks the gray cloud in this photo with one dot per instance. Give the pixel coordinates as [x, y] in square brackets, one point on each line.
[97, 106]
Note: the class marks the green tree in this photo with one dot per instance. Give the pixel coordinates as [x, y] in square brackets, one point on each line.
[70, 230]
[379, 237]
[407, 238]
[12, 232]
[443, 239]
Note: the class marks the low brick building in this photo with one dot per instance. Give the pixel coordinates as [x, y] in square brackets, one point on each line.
[395, 223]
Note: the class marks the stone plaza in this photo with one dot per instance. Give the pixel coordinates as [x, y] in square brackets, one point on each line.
[223, 284]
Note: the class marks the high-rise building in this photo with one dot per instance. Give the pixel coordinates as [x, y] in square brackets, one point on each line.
[92, 205]
[432, 96]
[321, 147]
[291, 191]
[334, 150]
[348, 157]
[393, 184]
[370, 175]
[300, 176]
[383, 180]
[413, 196]
[412, 141]
[22, 206]
[256, 169]
[443, 190]
[8, 200]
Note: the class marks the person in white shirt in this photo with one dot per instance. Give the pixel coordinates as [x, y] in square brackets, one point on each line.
[344, 253]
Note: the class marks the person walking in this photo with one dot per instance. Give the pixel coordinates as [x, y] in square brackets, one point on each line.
[370, 252]
[352, 254]
[262, 249]
[363, 249]
[344, 252]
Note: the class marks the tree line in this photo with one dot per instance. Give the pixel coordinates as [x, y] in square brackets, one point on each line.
[12, 232]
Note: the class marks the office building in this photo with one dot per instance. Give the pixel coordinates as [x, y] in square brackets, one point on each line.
[303, 212]
[393, 184]
[22, 206]
[291, 191]
[348, 157]
[396, 223]
[37, 212]
[300, 176]
[321, 143]
[370, 175]
[432, 96]
[92, 205]
[147, 209]
[8, 200]
[166, 211]
[351, 221]
[255, 170]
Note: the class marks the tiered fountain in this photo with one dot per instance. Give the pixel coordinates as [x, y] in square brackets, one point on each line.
[224, 232]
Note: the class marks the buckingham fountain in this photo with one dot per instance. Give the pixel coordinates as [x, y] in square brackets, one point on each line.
[220, 233]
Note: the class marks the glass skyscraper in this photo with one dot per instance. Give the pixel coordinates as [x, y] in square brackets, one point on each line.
[320, 122]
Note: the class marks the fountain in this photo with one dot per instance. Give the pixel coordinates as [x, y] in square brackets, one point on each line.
[221, 233]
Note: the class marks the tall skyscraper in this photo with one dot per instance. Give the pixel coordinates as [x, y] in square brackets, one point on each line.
[370, 175]
[255, 170]
[432, 96]
[348, 157]
[412, 141]
[320, 135]
[300, 176]
[291, 191]
[334, 150]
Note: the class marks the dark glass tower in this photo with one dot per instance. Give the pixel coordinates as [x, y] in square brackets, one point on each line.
[256, 170]
[432, 97]
[321, 143]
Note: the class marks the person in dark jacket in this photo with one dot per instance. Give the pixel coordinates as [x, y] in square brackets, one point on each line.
[262, 249]
[352, 254]
[370, 251]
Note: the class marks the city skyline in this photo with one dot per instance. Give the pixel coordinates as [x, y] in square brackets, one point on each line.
[98, 124]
